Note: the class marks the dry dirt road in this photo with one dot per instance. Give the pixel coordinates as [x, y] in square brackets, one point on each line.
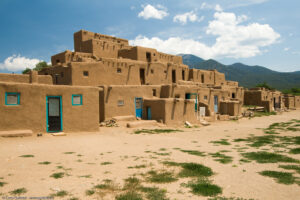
[95, 165]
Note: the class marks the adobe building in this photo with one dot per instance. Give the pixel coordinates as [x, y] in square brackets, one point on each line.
[271, 100]
[291, 101]
[105, 77]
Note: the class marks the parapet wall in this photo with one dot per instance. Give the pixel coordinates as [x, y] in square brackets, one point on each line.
[25, 78]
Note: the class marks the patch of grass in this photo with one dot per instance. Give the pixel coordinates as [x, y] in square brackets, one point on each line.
[137, 166]
[2, 184]
[266, 157]
[70, 152]
[193, 152]
[27, 156]
[162, 149]
[89, 192]
[204, 188]
[58, 175]
[156, 131]
[265, 113]
[291, 167]
[245, 160]
[106, 163]
[162, 154]
[222, 142]
[228, 198]
[61, 193]
[130, 195]
[194, 170]
[154, 193]
[131, 183]
[222, 158]
[85, 176]
[170, 163]
[45, 163]
[295, 151]
[18, 191]
[280, 177]
[108, 185]
[161, 177]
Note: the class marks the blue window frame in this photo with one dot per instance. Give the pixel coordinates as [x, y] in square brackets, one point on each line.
[12, 98]
[76, 99]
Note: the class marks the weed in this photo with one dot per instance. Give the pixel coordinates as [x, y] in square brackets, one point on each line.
[222, 142]
[291, 167]
[204, 188]
[106, 163]
[156, 131]
[45, 163]
[281, 177]
[18, 191]
[266, 157]
[161, 177]
[137, 167]
[70, 152]
[245, 160]
[2, 184]
[131, 183]
[193, 152]
[27, 156]
[154, 193]
[58, 175]
[194, 170]
[295, 151]
[265, 113]
[222, 158]
[61, 193]
[89, 192]
[130, 195]
[85, 176]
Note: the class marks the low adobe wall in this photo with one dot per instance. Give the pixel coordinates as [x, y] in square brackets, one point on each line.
[25, 78]
[31, 113]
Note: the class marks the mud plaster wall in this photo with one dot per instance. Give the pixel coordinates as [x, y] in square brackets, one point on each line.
[24, 78]
[31, 113]
[157, 107]
[230, 108]
[114, 95]
[59, 75]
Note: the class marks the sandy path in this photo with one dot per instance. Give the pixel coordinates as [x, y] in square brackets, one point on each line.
[123, 149]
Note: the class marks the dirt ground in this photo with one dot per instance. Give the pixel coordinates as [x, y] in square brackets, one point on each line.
[86, 159]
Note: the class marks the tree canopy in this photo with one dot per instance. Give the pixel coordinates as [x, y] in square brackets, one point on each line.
[38, 67]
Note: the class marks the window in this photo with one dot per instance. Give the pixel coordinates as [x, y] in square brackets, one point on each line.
[119, 70]
[57, 61]
[205, 97]
[154, 92]
[76, 99]
[12, 98]
[85, 73]
[120, 102]
[152, 71]
[233, 95]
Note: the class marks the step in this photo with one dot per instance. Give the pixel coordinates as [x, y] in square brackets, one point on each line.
[124, 118]
[16, 133]
[142, 123]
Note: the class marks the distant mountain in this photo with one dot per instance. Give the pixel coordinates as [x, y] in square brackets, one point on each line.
[247, 76]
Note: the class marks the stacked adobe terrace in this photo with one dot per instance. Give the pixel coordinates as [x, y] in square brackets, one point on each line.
[143, 82]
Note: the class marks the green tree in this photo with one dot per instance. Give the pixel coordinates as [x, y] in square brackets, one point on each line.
[38, 67]
[25, 71]
[264, 85]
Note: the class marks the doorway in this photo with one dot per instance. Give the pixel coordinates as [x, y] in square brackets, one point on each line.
[138, 107]
[216, 104]
[173, 76]
[54, 113]
[142, 76]
[149, 117]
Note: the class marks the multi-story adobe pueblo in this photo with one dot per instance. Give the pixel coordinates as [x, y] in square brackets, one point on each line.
[105, 77]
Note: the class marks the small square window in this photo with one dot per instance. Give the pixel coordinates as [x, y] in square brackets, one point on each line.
[120, 102]
[12, 98]
[119, 70]
[205, 97]
[85, 73]
[76, 99]
[154, 92]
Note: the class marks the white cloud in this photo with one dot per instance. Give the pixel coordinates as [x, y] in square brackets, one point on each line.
[218, 8]
[286, 49]
[149, 11]
[189, 16]
[18, 63]
[232, 39]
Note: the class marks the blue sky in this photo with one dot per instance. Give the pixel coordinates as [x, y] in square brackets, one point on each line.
[254, 32]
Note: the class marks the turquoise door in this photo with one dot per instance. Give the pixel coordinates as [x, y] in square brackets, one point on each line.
[216, 104]
[139, 107]
[54, 113]
[149, 117]
[193, 96]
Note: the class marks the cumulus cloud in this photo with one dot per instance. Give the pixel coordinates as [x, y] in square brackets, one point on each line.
[232, 39]
[185, 17]
[286, 49]
[218, 8]
[149, 11]
[18, 63]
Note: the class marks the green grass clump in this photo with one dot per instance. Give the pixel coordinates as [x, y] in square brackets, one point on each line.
[204, 188]
[45, 163]
[193, 152]
[154, 193]
[156, 131]
[18, 191]
[61, 193]
[265, 113]
[89, 192]
[70, 152]
[2, 184]
[137, 166]
[222, 158]
[195, 170]
[266, 157]
[161, 177]
[291, 167]
[295, 151]
[131, 183]
[106, 163]
[280, 177]
[27, 156]
[222, 142]
[130, 195]
[58, 175]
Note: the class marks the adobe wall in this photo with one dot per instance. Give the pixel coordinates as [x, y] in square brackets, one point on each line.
[31, 113]
[202, 76]
[231, 108]
[297, 102]
[59, 75]
[68, 56]
[24, 78]
[113, 94]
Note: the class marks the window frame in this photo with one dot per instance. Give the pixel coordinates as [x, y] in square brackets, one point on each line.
[76, 95]
[12, 93]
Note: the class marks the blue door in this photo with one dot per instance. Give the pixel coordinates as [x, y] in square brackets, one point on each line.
[54, 113]
[216, 104]
[149, 113]
[139, 107]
